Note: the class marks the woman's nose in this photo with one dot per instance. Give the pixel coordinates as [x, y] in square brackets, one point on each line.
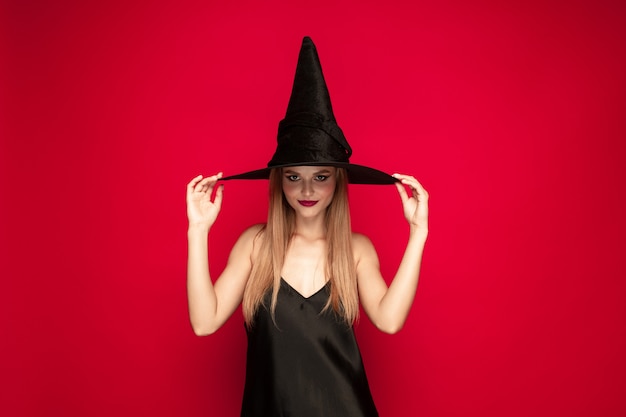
[307, 188]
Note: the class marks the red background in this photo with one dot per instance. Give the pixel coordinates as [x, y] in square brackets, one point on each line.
[512, 114]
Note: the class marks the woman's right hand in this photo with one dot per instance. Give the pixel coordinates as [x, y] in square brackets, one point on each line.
[201, 211]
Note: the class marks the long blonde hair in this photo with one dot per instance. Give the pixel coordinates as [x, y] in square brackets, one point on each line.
[274, 241]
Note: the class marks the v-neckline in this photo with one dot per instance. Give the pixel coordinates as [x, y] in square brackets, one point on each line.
[300, 294]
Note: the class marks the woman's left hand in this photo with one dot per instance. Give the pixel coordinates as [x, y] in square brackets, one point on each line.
[415, 205]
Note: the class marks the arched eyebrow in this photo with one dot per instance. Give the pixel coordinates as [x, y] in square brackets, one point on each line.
[324, 171]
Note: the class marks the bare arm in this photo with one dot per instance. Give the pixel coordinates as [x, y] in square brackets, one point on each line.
[388, 307]
[210, 305]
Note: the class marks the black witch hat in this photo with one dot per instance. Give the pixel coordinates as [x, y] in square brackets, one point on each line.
[309, 134]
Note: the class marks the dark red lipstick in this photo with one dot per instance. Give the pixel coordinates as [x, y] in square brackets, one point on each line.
[307, 203]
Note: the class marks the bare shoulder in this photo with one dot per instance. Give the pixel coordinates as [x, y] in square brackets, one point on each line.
[363, 247]
[253, 232]
[360, 240]
[249, 239]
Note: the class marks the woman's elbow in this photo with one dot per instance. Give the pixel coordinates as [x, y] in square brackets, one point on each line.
[390, 327]
[203, 330]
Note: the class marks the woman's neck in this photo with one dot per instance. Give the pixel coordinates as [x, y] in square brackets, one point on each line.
[314, 228]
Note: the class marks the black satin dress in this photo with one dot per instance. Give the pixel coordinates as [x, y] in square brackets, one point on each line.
[309, 365]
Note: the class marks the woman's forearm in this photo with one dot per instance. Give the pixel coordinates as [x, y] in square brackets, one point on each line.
[200, 292]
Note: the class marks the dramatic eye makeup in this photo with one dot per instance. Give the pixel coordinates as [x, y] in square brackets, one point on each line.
[320, 176]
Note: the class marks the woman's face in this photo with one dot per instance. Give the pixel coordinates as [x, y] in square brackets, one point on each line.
[309, 190]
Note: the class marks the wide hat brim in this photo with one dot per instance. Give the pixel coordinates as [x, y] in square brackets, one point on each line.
[357, 174]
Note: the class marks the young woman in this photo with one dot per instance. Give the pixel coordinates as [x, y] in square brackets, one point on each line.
[301, 276]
